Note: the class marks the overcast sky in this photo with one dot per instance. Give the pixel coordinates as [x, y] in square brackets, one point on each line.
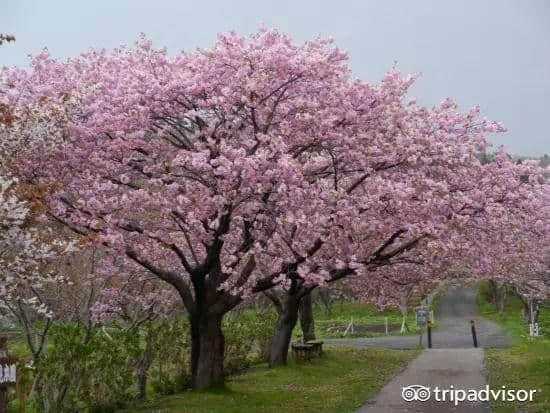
[494, 53]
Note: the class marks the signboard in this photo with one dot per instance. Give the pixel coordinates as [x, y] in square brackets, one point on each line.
[7, 373]
[422, 317]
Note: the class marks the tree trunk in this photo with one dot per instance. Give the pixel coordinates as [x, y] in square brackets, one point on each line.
[288, 317]
[195, 349]
[535, 312]
[306, 318]
[502, 300]
[526, 312]
[144, 363]
[493, 287]
[531, 311]
[404, 306]
[527, 308]
[37, 392]
[141, 375]
[326, 299]
[207, 351]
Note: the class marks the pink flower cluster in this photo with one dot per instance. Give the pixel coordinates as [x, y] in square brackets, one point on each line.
[261, 164]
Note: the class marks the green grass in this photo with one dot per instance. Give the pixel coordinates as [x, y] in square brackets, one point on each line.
[526, 364]
[341, 381]
[363, 315]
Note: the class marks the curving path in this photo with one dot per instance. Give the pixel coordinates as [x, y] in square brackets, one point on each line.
[456, 308]
[453, 363]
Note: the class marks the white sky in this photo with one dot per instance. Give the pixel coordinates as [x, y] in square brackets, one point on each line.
[494, 53]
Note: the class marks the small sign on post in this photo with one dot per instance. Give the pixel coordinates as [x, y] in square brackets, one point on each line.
[422, 317]
[534, 329]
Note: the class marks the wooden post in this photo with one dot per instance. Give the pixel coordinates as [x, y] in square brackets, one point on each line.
[474, 336]
[3, 398]
[7, 372]
[429, 334]
[3, 386]
[386, 323]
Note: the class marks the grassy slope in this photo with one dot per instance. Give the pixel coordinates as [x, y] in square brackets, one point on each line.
[526, 364]
[339, 382]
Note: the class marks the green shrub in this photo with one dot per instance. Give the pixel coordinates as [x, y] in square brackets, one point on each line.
[94, 370]
[170, 372]
[247, 336]
[83, 370]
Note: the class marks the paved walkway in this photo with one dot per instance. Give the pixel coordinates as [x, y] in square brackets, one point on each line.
[451, 362]
[460, 368]
[455, 311]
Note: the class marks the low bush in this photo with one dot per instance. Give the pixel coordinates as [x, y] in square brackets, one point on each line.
[94, 369]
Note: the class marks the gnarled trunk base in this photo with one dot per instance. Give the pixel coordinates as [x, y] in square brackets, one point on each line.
[207, 351]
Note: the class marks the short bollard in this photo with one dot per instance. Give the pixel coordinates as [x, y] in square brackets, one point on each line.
[429, 334]
[474, 336]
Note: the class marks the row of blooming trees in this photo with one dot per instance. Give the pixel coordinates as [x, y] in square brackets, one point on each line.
[261, 166]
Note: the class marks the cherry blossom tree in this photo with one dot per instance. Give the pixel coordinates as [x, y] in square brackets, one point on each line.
[454, 197]
[20, 252]
[206, 172]
[255, 166]
[132, 302]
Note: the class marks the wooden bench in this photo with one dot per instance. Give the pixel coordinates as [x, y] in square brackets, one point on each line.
[317, 347]
[307, 351]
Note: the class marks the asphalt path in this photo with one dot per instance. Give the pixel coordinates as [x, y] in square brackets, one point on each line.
[452, 364]
[436, 370]
[456, 308]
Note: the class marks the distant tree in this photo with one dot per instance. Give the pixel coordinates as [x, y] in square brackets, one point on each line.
[6, 38]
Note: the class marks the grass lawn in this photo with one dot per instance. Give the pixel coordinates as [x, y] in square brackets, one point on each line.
[341, 381]
[526, 364]
[368, 321]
